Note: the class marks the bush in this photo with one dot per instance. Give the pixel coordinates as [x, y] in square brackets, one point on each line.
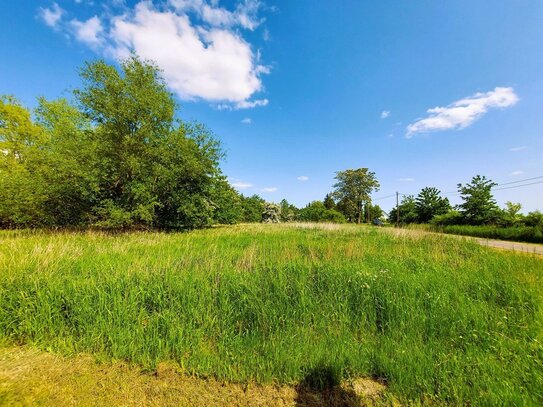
[449, 218]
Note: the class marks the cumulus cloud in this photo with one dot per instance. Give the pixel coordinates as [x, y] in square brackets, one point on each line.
[302, 178]
[385, 114]
[198, 45]
[241, 185]
[51, 16]
[247, 120]
[406, 179]
[269, 189]
[520, 148]
[517, 173]
[88, 32]
[463, 112]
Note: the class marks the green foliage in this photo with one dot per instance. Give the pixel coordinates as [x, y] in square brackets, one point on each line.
[479, 206]
[372, 212]
[353, 189]
[534, 219]
[252, 208]
[442, 320]
[289, 212]
[407, 209]
[317, 212]
[329, 202]
[119, 159]
[450, 218]
[429, 203]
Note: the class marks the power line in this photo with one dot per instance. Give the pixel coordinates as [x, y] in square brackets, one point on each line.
[518, 186]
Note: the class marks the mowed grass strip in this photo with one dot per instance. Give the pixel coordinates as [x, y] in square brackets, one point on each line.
[437, 319]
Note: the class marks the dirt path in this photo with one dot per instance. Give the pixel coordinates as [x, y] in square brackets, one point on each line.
[514, 246]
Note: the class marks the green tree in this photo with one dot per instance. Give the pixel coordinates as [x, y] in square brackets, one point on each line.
[479, 206]
[252, 208]
[329, 202]
[429, 203]
[317, 212]
[407, 210]
[353, 188]
[372, 212]
[288, 211]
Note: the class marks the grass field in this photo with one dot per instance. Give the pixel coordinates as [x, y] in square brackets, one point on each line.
[436, 319]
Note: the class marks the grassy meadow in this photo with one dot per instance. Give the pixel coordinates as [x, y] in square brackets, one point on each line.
[436, 319]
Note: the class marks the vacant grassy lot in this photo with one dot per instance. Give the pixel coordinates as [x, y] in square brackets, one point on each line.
[435, 318]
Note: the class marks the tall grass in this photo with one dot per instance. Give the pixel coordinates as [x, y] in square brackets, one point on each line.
[436, 318]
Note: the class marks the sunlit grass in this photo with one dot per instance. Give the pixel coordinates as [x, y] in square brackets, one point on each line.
[436, 318]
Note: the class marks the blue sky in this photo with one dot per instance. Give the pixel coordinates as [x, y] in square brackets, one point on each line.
[424, 93]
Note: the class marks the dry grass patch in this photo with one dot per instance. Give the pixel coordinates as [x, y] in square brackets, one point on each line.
[31, 377]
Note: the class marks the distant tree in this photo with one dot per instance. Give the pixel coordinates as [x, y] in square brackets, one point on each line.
[354, 188]
[534, 219]
[329, 202]
[271, 213]
[226, 203]
[510, 216]
[429, 203]
[317, 212]
[252, 208]
[479, 206]
[407, 211]
[375, 212]
[288, 211]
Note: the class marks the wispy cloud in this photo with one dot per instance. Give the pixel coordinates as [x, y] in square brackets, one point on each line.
[241, 185]
[406, 179]
[518, 148]
[198, 44]
[269, 189]
[517, 173]
[246, 120]
[302, 178]
[463, 112]
[51, 16]
[385, 114]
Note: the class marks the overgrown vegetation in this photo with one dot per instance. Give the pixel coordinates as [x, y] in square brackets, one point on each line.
[438, 319]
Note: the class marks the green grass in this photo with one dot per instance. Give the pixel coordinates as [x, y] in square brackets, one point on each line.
[513, 233]
[437, 318]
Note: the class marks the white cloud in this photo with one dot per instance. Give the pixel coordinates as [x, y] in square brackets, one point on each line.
[518, 148]
[88, 32]
[406, 179]
[51, 16]
[269, 189]
[463, 112]
[241, 185]
[517, 173]
[247, 120]
[197, 44]
[385, 114]
[302, 178]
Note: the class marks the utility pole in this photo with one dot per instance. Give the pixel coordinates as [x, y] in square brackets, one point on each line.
[397, 210]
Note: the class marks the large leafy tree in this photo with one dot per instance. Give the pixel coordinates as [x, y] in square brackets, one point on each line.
[479, 206]
[117, 158]
[353, 189]
[430, 203]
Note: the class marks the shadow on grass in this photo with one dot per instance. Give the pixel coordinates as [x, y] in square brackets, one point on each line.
[322, 387]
